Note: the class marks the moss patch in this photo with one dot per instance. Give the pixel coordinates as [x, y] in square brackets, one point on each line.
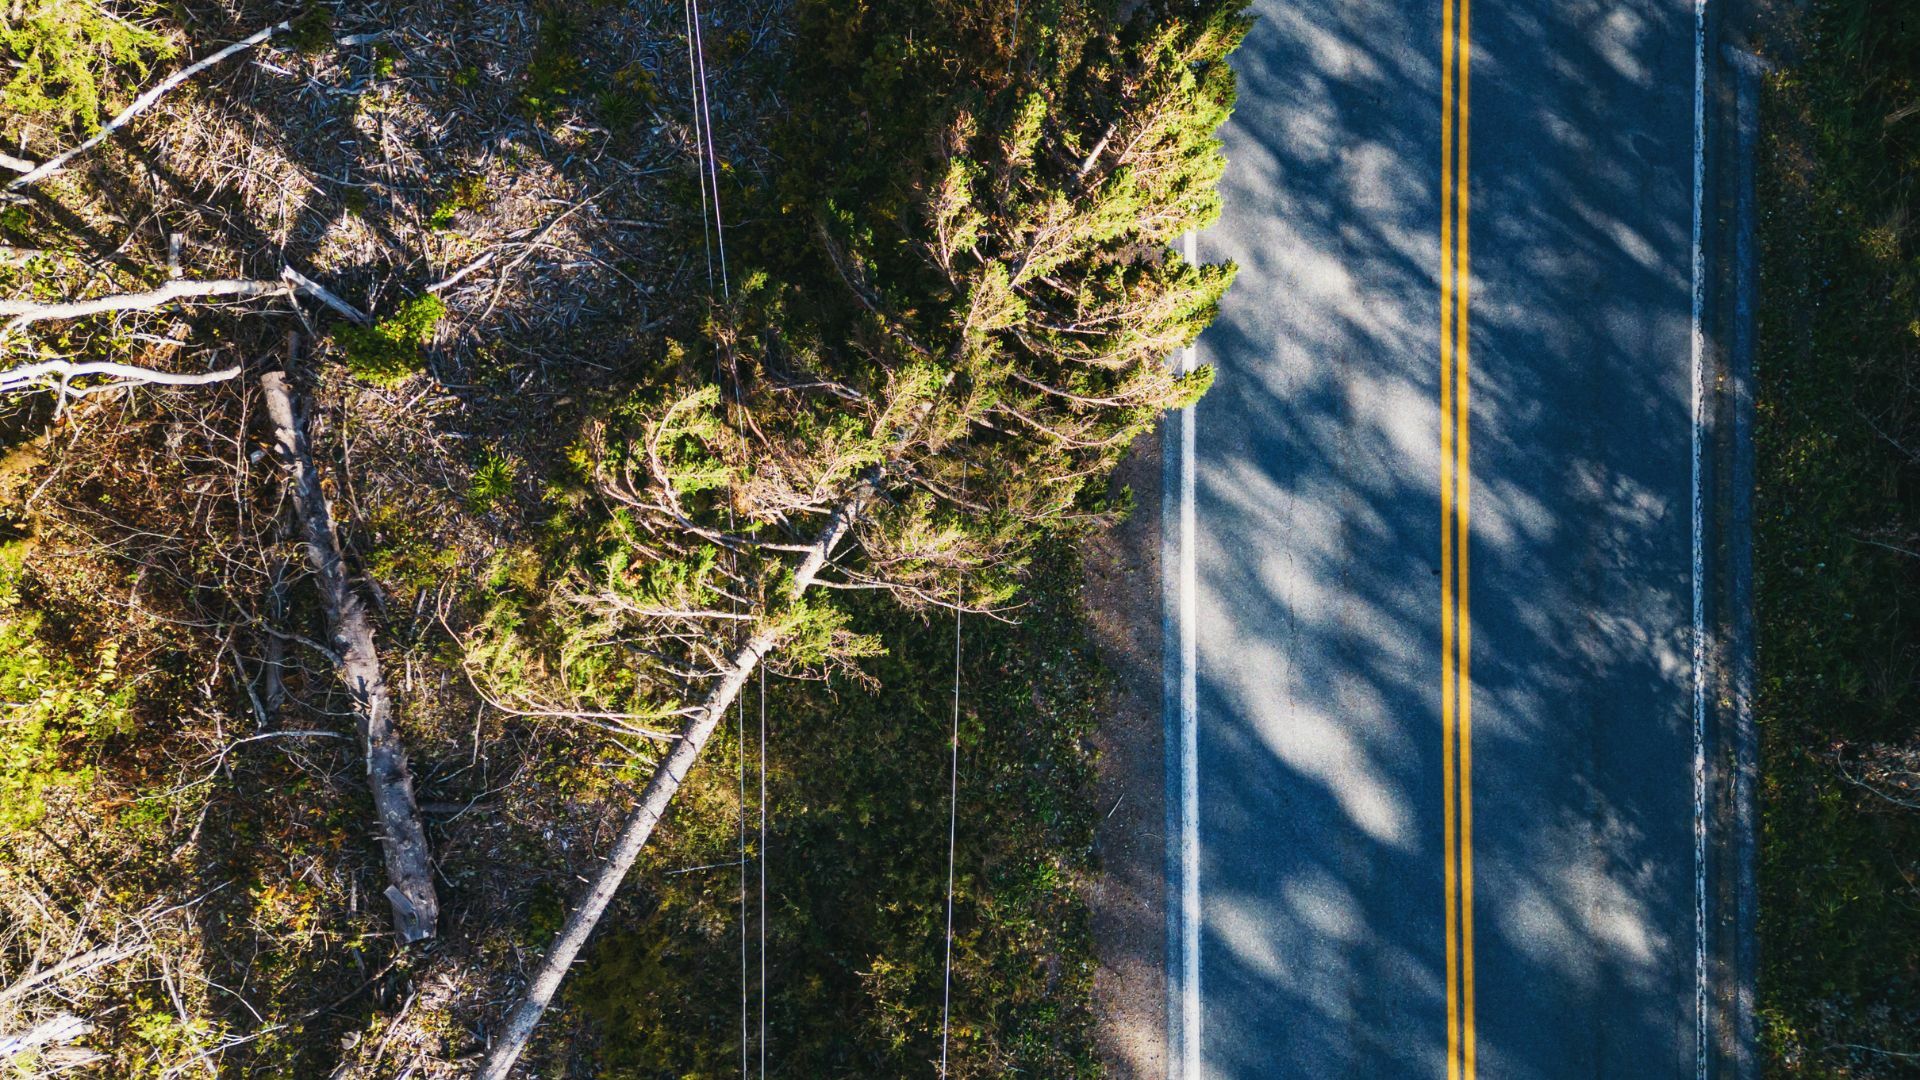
[393, 349]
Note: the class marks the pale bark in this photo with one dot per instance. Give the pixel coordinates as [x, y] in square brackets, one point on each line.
[76, 965]
[403, 838]
[63, 1028]
[667, 778]
[27, 312]
[31, 375]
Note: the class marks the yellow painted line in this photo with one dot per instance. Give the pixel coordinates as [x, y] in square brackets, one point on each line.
[1463, 474]
[1456, 694]
[1447, 611]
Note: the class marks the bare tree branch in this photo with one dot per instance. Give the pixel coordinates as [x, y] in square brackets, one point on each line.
[27, 312]
[307, 285]
[29, 375]
[73, 965]
[61, 1028]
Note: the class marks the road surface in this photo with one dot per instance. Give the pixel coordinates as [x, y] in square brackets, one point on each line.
[1440, 550]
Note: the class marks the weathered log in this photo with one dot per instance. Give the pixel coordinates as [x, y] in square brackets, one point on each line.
[403, 839]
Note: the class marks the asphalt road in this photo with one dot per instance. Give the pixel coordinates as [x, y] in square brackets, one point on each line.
[1337, 779]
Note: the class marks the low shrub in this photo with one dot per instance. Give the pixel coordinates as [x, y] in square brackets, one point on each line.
[394, 349]
[59, 700]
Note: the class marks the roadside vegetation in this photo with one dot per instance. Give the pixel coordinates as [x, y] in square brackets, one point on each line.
[1838, 544]
[575, 472]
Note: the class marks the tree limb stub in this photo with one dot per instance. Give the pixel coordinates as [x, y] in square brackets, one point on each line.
[665, 782]
[403, 839]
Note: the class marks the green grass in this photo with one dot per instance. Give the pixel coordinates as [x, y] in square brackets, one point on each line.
[555, 74]
[61, 703]
[491, 484]
[857, 868]
[1839, 629]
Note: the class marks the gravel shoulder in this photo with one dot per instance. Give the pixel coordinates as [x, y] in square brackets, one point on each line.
[1122, 589]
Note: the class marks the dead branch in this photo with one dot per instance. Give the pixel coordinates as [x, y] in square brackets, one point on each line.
[65, 371]
[403, 838]
[303, 283]
[73, 965]
[140, 104]
[27, 312]
[61, 1028]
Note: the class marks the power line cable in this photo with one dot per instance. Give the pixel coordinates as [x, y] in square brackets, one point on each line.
[699, 143]
[712, 235]
[953, 809]
[713, 155]
[741, 728]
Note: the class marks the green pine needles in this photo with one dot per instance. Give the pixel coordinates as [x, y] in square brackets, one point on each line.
[66, 55]
[964, 313]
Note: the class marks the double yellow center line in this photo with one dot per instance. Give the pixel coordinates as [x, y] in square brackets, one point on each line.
[1456, 689]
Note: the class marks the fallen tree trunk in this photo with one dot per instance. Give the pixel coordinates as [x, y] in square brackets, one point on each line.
[665, 782]
[403, 839]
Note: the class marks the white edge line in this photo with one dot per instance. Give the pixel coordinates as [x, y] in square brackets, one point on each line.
[1189, 1048]
[1698, 361]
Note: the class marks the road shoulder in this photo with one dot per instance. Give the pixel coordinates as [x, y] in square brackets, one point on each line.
[1127, 899]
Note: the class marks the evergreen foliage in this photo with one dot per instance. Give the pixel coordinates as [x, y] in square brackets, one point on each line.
[64, 55]
[963, 309]
[965, 312]
[857, 869]
[1836, 525]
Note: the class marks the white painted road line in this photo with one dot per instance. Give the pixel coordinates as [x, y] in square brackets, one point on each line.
[1188, 1066]
[1698, 419]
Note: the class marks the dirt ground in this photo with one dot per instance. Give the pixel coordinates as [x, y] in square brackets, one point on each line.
[1128, 900]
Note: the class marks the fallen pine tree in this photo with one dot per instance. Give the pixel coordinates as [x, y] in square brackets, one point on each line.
[961, 319]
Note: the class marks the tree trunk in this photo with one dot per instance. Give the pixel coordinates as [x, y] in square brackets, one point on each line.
[667, 778]
[403, 839]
